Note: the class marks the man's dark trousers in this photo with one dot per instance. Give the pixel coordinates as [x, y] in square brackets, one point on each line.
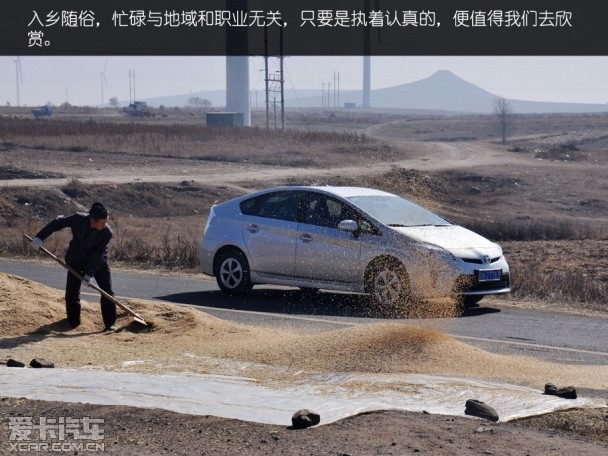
[72, 295]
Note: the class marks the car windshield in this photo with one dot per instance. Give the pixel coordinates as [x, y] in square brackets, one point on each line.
[395, 211]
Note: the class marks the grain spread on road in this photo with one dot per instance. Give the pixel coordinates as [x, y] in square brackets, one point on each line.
[33, 325]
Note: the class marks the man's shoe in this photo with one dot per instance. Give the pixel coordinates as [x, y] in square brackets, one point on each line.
[74, 323]
[110, 328]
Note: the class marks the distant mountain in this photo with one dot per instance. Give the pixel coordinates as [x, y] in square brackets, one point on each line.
[445, 91]
[442, 91]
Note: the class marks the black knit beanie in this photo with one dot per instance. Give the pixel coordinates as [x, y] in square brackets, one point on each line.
[98, 211]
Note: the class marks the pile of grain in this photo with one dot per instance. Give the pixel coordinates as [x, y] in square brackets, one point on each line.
[32, 321]
[27, 307]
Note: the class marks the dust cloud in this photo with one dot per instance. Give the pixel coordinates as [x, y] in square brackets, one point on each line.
[33, 325]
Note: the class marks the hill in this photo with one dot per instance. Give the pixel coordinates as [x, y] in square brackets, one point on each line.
[442, 91]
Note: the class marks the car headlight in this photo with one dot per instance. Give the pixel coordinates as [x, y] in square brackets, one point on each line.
[500, 252]
[435, 251]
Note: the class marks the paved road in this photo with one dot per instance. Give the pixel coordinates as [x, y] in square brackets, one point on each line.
[494, 327]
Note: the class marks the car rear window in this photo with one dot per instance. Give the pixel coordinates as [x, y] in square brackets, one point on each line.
[249, 207]
[278, 205]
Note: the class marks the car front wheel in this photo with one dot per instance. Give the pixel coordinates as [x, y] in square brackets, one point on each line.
[233, 273]
[389, 288]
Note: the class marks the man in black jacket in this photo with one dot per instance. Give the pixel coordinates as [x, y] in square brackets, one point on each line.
[87, 254]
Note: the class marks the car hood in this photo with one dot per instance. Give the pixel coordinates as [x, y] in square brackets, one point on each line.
[451, 237]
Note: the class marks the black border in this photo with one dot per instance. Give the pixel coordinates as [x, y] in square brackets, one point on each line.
[583, 36]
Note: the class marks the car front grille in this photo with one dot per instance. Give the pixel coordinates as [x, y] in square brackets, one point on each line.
[479, 261]
[466, 283]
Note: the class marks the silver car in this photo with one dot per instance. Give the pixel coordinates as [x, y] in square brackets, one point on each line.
[350, 239]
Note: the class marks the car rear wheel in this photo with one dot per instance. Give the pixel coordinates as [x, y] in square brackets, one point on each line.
[389, 287]
[233, 273]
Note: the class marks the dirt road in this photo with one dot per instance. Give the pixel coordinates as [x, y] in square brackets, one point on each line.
[100, 169]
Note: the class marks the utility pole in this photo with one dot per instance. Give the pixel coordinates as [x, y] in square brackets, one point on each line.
[366, 81]
[274, 83]
[266, 74]
[334, 89]
[282, 79]
[338, 90]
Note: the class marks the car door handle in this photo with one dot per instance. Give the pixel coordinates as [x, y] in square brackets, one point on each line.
[253, 228]
[306, 237]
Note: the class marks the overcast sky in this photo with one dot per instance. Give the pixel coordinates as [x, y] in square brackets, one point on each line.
[78, 80]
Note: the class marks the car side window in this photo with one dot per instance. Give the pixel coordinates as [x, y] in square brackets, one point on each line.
[366, 227]
[322, 210]
[277, 205]
[348, 213]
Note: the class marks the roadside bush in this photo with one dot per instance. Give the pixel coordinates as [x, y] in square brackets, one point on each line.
[564, 286]
[531, 230]
[173, 252]
[75, 189]
[179, 251]
[102, 131]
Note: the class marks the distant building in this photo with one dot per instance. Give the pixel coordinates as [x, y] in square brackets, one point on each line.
[225, 119]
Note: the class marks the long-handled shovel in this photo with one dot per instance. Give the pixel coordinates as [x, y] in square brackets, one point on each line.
[109, 297]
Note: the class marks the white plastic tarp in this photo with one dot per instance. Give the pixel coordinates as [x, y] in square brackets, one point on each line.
[332, 396]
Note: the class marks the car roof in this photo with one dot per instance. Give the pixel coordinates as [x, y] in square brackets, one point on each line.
[347, 192]
[343, 192]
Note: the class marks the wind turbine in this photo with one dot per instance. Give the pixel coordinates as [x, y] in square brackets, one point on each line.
[102, 75]
[18, 77]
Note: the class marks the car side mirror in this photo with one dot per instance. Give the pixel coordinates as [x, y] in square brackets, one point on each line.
[350, 226]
